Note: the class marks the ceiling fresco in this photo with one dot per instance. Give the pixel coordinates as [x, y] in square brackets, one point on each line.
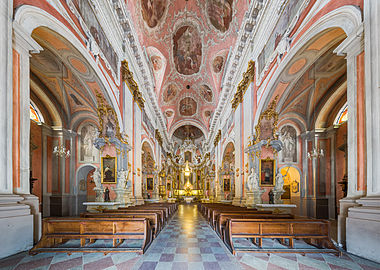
[188, 131]
[66, 79]
[187, 44]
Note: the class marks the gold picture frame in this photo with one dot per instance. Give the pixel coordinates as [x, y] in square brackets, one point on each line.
[109, 170]
[267, 172]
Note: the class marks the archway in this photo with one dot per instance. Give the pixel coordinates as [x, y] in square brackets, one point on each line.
[84, 189]
[227, 173]
[149, 172]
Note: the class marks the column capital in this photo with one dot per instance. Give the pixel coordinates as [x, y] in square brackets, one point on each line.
[22, 40]
[353, 44]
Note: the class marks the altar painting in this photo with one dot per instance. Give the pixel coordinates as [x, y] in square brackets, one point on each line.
[227, 185]
[149, 183]
[267, 172]
[109, 175]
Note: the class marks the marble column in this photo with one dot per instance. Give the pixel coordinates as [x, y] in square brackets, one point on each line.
[351, 47]
[363, 221]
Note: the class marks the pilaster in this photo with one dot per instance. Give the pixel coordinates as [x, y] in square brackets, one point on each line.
[351, 47]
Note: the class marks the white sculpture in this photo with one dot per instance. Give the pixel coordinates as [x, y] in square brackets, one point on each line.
[279, 181]
[96, 176]
[253, 181]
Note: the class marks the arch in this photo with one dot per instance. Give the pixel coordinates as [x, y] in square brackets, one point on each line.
[152, 147]
[187, 122]
[30, 18]
[347, 18]
[78, 197]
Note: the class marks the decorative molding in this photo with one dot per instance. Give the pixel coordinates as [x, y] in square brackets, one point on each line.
[217, 138]
[248, 77]
[158, 137]
[106, 112]
[235, 60]
[268, 114]
[127, 77]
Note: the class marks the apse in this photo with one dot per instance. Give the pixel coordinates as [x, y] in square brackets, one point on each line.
[188, 131]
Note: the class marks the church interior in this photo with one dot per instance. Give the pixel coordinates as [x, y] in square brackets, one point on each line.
[192, 134]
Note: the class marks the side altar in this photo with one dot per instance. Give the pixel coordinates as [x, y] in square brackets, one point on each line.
[265, 181]
[112, 186]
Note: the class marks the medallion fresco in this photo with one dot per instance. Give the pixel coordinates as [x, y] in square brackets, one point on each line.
[220, 13]
[187, 106]
[217, 64]
[187, 50]
[206, 92]
[152, 11]
[170, 93]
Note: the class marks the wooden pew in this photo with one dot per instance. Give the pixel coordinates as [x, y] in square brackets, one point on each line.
[223, 217]
[160, 213]
[154, 218]
[313, 231]
[146, 207]
[216, 212]
[59, 230]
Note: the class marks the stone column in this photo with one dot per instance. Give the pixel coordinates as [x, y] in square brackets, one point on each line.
[363, 222]
[351, 47]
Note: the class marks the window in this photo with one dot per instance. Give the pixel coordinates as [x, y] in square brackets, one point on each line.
[35, 114]
[342, 116]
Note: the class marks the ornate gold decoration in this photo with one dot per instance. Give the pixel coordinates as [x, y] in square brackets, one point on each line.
[217, 138]
[127, 76]
[107, 114]
[269, 114]
[158, 137]
[248, 77]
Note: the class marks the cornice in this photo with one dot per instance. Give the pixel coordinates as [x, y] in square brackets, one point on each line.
[235, 63]
[138, 62]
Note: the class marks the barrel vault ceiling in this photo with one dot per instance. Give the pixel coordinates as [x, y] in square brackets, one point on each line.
[187, 45]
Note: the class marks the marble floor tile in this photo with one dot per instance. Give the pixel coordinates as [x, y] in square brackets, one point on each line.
[187, 242]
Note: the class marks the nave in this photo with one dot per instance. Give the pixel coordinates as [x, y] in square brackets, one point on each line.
[186, 242]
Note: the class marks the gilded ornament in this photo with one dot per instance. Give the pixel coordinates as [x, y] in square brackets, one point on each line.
[269, 116]
[248, 77]
[127, 76]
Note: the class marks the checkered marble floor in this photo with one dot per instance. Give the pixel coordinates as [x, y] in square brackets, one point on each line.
[187, 242]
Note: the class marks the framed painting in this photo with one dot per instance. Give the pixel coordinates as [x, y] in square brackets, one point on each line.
[109, 175]
[267, 172]
[227, 184]
[149, 183]
[168, 186]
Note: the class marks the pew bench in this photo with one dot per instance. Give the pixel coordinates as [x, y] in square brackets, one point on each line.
[57, 231]
[154, 218]
[312, 231]
[222, 219]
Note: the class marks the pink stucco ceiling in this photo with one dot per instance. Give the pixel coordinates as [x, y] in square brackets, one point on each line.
[187, 43]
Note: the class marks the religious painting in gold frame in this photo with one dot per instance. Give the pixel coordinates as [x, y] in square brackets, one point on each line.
[226, 184]
[149, 183]
[109, 169]
[267, 172]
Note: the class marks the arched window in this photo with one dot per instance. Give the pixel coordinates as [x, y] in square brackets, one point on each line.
[342, 116]
[35, 114]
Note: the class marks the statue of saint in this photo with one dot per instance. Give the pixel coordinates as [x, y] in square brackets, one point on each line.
[253, 181]
[107, 195]
[279, 181]
[271, 197]
[96, 176]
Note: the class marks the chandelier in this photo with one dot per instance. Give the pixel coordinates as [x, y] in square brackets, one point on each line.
[60, 151]
[315, 153]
